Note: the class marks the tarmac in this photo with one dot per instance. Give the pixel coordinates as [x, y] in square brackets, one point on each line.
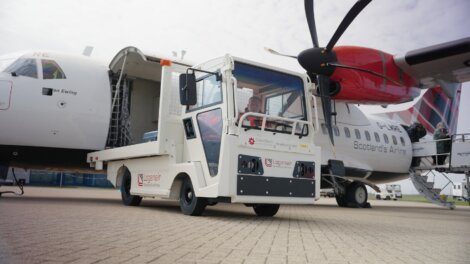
[85, 225]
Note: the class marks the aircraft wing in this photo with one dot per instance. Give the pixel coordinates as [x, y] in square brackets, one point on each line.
[440, 64]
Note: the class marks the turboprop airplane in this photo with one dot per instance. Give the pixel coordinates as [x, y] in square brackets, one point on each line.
[364, 149]
[57, 107]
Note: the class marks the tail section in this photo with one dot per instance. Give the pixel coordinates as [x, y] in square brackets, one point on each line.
[439, 104]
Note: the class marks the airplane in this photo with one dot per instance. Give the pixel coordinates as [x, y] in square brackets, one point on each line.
[367, 149]
[58, 107]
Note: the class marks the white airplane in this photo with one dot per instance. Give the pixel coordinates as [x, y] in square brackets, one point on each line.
[55, 108]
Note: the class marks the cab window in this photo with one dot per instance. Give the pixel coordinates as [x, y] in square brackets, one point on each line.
[24, 67]
[394, 140]
[402, 140]
[51, 70]
[208, 90]
[261, 91]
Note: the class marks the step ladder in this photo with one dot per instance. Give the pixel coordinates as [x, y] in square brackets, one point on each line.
[427, 188]
[119, 126]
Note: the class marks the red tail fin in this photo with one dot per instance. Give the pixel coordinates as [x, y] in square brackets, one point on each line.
[436, 105]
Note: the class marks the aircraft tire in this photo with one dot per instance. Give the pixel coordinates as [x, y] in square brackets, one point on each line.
[266, 210]
[189, 203]
[356, 195]
[126, 196]
[340, 200]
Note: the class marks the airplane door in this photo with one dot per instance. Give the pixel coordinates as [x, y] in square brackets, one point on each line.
[5, 94]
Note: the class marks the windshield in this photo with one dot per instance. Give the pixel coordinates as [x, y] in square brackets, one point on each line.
[24, 67]
[269, 92]
[5, 62]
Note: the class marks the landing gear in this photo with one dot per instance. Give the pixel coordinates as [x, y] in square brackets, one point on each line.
[355, 196]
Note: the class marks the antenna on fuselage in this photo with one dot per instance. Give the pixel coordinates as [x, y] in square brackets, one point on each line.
[87, 51]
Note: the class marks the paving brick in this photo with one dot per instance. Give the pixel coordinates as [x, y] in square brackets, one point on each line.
[50, 225]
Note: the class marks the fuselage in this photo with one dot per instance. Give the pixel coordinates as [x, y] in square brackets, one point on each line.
[371, 148]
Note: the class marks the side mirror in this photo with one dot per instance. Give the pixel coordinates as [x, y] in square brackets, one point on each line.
[188, 94]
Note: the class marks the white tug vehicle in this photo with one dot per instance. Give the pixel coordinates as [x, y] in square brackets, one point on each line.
[229, 130]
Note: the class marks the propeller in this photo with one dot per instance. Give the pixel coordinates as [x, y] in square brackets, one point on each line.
[320, 62]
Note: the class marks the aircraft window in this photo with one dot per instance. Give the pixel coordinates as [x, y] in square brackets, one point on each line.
[51, 70]
[24, 67]
[394, 140]
[336, 131]
[347, 132]
[358, 133]
[324, 129]
[402, 140]
[377, 137]
[386, 139]
[367, 135]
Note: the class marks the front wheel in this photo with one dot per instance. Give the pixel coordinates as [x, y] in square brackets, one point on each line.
[266, 209]
[189, 203]
[126, 196]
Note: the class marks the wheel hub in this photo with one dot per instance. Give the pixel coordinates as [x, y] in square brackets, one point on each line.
[360, 195]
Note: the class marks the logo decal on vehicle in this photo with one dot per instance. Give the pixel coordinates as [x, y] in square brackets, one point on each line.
[140, 179]
[268, 162]
[251, 141]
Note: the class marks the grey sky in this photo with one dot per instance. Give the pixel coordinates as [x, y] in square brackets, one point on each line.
[211, 28]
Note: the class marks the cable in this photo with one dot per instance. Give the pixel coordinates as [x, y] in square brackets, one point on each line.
[17, 183]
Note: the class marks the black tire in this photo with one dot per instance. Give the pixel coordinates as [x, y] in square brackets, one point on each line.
[356, 195]
[267, 210]
[189, 203]
[126, 196]
[340, 200]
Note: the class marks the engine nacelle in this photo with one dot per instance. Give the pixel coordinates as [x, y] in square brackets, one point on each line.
[365, 88]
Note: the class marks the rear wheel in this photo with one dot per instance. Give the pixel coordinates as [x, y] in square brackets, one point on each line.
[126, 196]
[189, 203]
[266, 209]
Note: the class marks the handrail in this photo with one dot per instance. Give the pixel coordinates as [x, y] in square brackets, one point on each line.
[235, 85]
[265, 116]
[317, 124]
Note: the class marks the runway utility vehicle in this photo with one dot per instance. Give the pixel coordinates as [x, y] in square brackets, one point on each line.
[229, 130]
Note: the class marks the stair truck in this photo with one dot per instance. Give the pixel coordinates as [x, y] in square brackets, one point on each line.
[456, 161]
[229, 130]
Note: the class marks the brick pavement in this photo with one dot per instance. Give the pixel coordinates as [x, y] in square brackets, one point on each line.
[51, 225]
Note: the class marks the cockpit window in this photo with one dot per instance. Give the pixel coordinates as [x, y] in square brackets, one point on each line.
[24, 67]
[51, 70]
[5, 62]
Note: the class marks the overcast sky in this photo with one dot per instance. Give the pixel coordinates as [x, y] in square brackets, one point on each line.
[212, 28]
